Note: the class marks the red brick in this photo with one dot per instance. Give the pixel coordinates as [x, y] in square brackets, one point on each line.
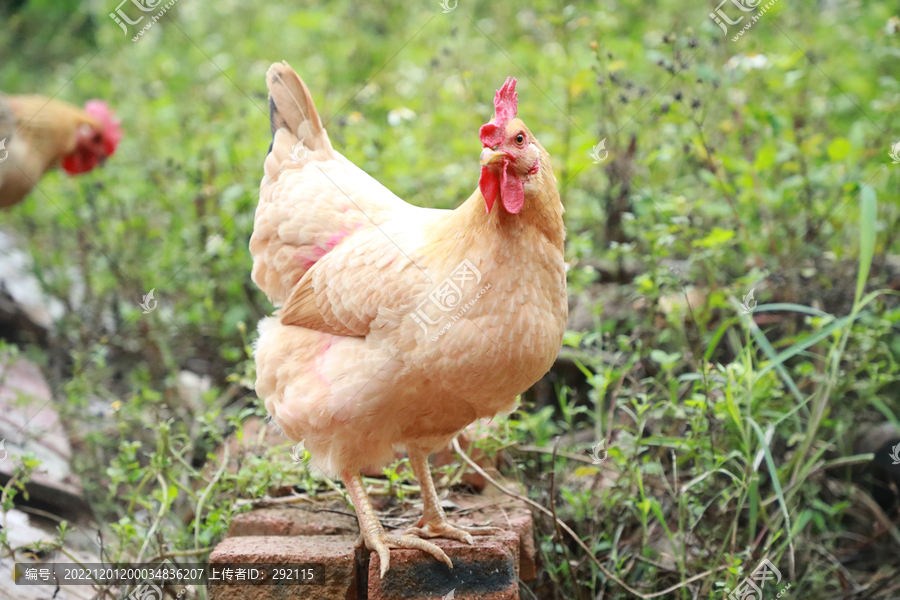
[291, 522]
[332, 558]
[514, 518]
[527, 557]
[488, 570]
[496, 509]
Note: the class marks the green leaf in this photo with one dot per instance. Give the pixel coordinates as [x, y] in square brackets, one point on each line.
[713, 343]
[753, 498]
[664, 358]
[773, 473]
[716, 237]
[733, 410]
[763, 343]
[765, 158]
[867, 217]
[839, 148]
[800, 347]
[790, 306]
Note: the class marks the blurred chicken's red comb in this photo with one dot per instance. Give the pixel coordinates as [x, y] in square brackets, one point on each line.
[506, 105]
[112, 129]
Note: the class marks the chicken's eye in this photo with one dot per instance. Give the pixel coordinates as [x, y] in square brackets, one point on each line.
[520, 139]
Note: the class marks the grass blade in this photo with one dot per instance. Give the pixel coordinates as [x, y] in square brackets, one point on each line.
[808, 310]
[773, 473]
[800, 347]
[867, 217]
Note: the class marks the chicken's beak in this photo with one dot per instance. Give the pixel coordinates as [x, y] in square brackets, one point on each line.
[489, 157]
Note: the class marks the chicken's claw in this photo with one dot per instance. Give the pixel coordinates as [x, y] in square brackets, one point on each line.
[383, 543]
[443, 529]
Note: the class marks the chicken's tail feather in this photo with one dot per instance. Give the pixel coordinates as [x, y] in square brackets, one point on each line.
[298, 135]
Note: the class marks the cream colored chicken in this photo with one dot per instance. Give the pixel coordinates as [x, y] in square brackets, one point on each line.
[398, 326]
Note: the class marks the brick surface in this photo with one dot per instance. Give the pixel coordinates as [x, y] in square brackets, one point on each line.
[331, 557]
[488, 570]
[507, 513]
[291, 522]
[524, 527]
[517, 519]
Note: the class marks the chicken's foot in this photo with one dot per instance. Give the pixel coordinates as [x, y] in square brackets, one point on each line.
[372, 533]
[434, 522]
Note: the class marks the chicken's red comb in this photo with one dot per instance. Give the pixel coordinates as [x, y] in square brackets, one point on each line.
[112, 130]
[506, 102]
[506, 105]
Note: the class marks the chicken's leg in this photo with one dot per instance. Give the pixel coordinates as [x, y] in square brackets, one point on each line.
[434, 522]
[372, 532]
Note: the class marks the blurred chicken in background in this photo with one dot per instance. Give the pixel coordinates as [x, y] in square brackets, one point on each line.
[38, 133]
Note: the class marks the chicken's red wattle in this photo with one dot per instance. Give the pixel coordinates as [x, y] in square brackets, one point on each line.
[79, 162]
[489, 185]
[512, 190]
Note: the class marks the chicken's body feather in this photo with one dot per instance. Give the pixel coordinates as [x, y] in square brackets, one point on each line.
[345, 366]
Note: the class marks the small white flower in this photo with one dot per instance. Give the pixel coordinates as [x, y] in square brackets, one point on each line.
[747, 62]
[756, 61]
[215, 244]
[398, 115]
